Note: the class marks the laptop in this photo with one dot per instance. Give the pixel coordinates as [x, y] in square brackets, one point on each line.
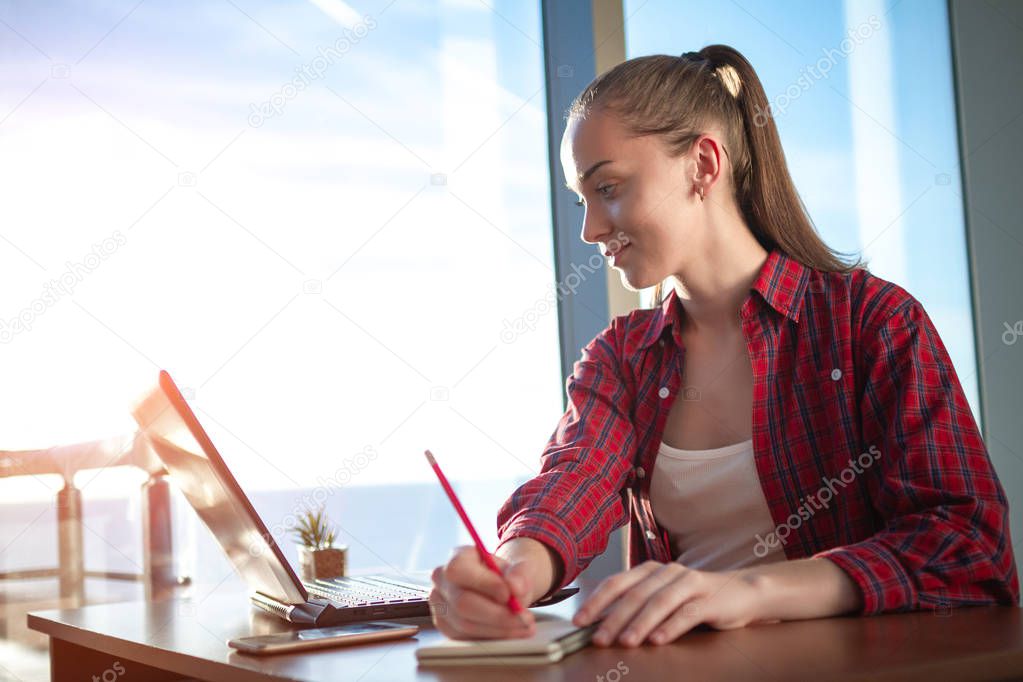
[199, 472]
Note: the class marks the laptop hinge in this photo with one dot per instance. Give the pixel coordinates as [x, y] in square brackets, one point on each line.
[308, 613]
[312, 612]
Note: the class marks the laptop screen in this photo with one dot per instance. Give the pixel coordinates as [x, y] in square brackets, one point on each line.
[203, 478]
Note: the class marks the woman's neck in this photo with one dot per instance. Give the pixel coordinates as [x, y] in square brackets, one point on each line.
[715, 286]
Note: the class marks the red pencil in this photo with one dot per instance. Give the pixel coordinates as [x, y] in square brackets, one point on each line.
[487, 558]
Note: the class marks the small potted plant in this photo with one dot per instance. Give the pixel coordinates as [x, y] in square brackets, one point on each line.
[317, 555]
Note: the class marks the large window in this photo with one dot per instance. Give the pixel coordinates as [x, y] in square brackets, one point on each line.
[862, 95]
[322, 219]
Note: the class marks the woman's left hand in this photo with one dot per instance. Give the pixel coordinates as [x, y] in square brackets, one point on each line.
[659, 602]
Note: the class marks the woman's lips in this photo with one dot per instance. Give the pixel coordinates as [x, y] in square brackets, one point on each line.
[613, 257]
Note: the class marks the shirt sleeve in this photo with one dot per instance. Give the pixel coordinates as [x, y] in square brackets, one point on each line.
[576, 500]
[944, 539]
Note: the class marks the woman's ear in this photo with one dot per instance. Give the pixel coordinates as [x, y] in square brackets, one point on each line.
[708, 157]
[693, 176]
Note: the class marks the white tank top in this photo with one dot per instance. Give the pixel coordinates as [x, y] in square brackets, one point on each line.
[712, 505]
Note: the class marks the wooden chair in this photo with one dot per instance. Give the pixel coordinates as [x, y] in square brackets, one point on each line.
[66, 460]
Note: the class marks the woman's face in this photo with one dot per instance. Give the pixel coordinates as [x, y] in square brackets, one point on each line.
[640, 204]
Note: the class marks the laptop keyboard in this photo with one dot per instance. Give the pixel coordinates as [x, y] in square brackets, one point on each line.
[356, 591]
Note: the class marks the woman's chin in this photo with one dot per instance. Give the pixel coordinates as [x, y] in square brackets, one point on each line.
[635, 281]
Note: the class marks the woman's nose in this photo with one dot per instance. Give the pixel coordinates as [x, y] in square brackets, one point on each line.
[595, 226]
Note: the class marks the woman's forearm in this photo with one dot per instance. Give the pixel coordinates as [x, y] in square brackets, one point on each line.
[803, 588]
[788, 590]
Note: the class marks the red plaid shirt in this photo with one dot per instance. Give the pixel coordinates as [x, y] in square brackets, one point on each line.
[866, 449]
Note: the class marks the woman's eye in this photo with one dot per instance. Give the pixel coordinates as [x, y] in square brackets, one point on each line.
[600, 190]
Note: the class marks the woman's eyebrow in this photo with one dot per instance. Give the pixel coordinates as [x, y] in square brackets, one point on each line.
[585, 175]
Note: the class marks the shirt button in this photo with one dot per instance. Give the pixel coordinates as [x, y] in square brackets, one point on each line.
[836, 374]
[640, 472]
[663, 392]
[661, 342]
[651, 535]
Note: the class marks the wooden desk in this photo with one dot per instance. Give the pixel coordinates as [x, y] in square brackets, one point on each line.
[174, 640]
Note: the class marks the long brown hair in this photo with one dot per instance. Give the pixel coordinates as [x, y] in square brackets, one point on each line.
[677, 98]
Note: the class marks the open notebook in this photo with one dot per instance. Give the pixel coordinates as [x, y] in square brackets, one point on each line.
[555, 638]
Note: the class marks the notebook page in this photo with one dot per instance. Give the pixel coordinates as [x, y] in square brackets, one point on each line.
[548, 630]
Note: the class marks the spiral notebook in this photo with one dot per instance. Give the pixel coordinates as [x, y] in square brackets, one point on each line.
[555, 638]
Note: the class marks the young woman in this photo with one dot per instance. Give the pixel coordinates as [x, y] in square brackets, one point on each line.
[784, 432]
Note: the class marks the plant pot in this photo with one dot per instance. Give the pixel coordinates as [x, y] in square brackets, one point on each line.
[325, 563]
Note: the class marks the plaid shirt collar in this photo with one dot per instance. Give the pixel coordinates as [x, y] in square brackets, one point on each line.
[781, 282]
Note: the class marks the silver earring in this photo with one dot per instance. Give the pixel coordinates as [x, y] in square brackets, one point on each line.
[700, 190]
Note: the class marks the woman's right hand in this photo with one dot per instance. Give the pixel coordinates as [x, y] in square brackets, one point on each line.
[469, 601]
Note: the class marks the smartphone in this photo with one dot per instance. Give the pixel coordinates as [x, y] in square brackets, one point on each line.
[319, 638]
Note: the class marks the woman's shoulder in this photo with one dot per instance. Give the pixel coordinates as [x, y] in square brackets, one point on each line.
[870, 299]
[624, 338]
[628, 331]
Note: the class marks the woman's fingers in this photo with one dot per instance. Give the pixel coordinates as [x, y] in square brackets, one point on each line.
[519, 580]
[476, 616]
[685, 618]
[634, 600]
[469, 600]
[673, 600]
[471, 606]
[465, 617]
[610, 589]
[468, 571]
